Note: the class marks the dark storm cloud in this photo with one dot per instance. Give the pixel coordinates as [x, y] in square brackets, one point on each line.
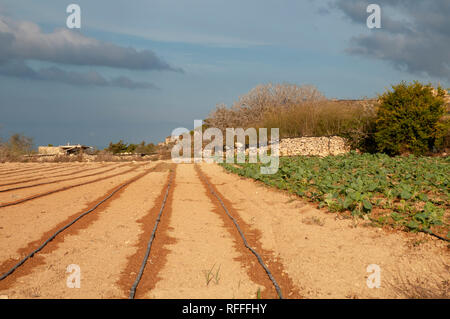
[22, 40]
[53, 74]
[25, 40]
[415, 34]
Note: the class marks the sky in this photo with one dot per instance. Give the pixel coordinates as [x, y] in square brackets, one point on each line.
[136, 70]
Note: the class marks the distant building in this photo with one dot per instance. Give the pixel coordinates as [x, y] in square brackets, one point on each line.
[169, 140]
[63, 149]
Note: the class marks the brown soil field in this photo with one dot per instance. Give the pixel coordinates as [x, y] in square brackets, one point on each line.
[109, 211]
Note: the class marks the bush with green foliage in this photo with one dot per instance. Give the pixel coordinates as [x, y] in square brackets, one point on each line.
[298, 111]
[117, 148]
[148, 149]
[409, 119]
[121, 147]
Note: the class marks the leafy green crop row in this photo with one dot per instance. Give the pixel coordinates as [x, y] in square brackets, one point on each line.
[411, 192]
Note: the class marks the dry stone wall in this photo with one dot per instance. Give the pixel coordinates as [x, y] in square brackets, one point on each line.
[50, 150]
[314, 146]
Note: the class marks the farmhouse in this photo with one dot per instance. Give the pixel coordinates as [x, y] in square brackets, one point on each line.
[63, 149]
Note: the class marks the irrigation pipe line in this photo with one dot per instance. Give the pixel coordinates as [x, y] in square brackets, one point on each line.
[428, 232]
[149, 245]
[8, 172]
[38, 177]
[277, 287]
[57, 181]
[9, 272]
[435, 235]
[23, 200]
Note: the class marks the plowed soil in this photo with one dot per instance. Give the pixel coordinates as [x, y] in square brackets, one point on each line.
[197, 251]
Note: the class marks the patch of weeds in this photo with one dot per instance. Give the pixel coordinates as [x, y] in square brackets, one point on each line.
[417, 243]
[258, 293]
[354, 223]
[211, 275]
[313, 220]
[422, 289]
[217, 276]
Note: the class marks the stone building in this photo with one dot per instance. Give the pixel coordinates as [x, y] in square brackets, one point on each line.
[63, 149]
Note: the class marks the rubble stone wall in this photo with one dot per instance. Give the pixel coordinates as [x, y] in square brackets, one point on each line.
[314, 146]
[50, 150]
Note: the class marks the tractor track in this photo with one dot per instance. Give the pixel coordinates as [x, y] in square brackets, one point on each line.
[23, 200]
[61, 180]
[11, 270]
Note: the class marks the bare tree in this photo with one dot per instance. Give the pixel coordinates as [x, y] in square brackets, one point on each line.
[250, 108]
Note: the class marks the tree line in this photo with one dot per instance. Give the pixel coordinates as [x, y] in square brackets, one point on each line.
[121, 147]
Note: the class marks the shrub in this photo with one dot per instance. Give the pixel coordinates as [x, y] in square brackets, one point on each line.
[20, 144]
[250, 108]
[148, 149]
[299, 111]
[348, 119]
[17, 146]
[409, 119]
[105, 156]
[119, 147]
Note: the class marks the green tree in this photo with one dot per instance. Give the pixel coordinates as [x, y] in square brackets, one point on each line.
[119, 147]
[148, 149]
[131, 148]
[409, 119]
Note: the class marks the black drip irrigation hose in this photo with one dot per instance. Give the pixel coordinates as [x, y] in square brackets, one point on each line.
[54, 182]
[428, 232]
[277, 287]
[23, 200]
[435, 235]
[150, 242]
[9, 272]
[38, 177]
